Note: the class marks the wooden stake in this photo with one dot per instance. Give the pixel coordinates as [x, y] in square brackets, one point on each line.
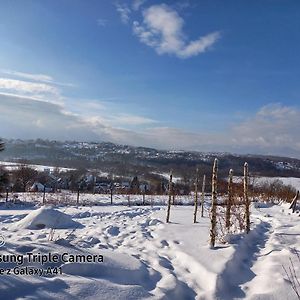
[246, 197]
[213, 230]
[111, 194]
[44, 195]
[6, 198]
[170, 198]
[196, 197]
[203, 195]
[229, 200]
[77, 201]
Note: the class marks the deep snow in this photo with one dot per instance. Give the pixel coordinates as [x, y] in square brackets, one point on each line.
[144, 258]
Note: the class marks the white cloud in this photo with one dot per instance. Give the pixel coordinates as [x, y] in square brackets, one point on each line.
[136, 4]
[26, 87]
[33, 77]
[30, 76]
[162, 29]
[274, 129]
[124, 11]
[127, 119]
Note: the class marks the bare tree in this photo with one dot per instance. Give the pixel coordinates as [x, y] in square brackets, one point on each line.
[25, 176]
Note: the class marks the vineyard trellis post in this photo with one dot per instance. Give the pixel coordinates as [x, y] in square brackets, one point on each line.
[203, 195]
[6, 197]
[246, 197]
[44, 195]
[196, 196]
[170, 198]
[77, 200]
[229, 200]
[111, 193]
[214, 204]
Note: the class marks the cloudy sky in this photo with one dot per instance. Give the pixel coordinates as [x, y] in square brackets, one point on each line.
[198, 75]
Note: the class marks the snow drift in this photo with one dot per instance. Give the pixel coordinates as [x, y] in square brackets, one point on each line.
[47, 217]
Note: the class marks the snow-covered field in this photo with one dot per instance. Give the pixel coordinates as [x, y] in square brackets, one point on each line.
[13, 166]
[145, 258]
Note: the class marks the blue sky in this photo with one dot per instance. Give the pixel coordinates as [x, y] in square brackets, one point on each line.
[198, 75]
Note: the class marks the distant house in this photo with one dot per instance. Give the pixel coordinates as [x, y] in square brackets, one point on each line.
[38, 187]
[125, 185]
[144, 187]
[102, 187]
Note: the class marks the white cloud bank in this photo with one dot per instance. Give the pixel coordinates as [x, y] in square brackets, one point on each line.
[274, 129]
[162, 29]
[29, 111]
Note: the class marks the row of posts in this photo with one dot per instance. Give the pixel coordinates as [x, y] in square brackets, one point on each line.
[214, 195]
[229, 201]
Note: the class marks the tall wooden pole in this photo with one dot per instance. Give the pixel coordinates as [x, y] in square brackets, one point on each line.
[246, 197]
[229, 200]
[6, 198]
[77, 201]
[203, 195]
[213, 230]
[196, 197]
[170, 198]
[111, 193]
[44, 195]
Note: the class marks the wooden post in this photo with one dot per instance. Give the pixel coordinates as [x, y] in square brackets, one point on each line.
[246, 197]
[229, 200]
[111, 194]
[143, 198]
[6, 198]
[77, 201]
[44, 195]
[94, 184]
[203, 194]
[170, 198]
[213, 230]
[128, 199]
[196, 196]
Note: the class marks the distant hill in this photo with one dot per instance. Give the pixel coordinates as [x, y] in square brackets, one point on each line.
[127, 160]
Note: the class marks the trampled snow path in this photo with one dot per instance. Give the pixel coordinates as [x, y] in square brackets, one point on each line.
[255, 271]
[146, 258]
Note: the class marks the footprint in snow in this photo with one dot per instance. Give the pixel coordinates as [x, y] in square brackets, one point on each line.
[113, 230]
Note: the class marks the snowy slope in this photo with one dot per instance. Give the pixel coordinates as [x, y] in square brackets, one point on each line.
[145, 258]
